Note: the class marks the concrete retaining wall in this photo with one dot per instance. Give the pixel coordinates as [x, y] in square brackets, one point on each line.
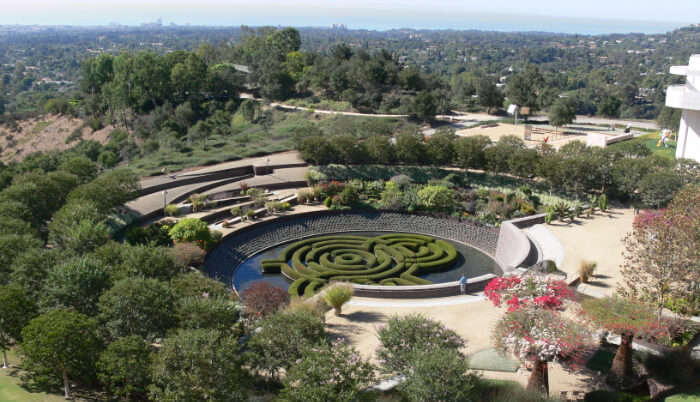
[513, 246]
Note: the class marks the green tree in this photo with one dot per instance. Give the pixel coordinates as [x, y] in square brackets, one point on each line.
[609, 106]
[563, 112]
[208, 313]
[146, 262]
[380, 150]
[490, 96]
[470, 151]
[77, 283]
[109, 190]
[198, 365]
[31, 267]
[409, 148]
[124, 368]
[523, 87]
[403, 336]
[16, 310]
[441, 147]
[656, 189]
[438, 375]
[80, 166]
[61, 343]
[135, 306]
[329, 372]
[191, 230]
[194, 283]
[424, 106]
[269, 352]
[10, 247]
[669, 118]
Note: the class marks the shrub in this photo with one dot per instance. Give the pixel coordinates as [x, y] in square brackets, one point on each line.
[286, 206]
[304, 196]
[585, 270]
[438, 375]
[196, 284]
[250, 214]
[208, 312]
[171, 210]
[402, 336]
[155, 234]
[280, 339]
[235, 211]
[328, 372]
[188, 254]
[199, 202]
[191, 230]
[327, 202]
[261, 299]
[603, 202]
[337, 295]
[244, 187]
[531, 290]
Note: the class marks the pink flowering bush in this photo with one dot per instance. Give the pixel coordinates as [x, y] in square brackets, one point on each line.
[533, 290]
[402, 337]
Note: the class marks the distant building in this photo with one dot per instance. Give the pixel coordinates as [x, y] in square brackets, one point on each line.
[687, 97]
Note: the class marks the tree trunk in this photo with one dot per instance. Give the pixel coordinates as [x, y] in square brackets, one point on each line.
[66, 385]
[539, 379]
[4, 359]
[338, 310]
[622, 363]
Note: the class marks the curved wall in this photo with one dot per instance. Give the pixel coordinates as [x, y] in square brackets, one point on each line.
[244, 243]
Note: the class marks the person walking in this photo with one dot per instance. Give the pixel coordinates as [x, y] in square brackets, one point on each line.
[463, 285]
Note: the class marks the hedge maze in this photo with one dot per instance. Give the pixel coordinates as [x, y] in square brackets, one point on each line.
[391, 260]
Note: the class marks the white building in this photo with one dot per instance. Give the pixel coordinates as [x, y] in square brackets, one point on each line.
[687, 97]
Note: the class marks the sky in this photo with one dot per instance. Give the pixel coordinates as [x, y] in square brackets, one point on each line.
[509, 15]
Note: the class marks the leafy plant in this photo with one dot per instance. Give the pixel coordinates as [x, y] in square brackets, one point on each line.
[586, 269]
[337, 295]
[171, 210]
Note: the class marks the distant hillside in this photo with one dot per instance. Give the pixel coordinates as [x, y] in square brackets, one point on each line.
[49, 132]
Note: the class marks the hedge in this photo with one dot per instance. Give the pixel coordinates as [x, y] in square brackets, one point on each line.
[391, 259]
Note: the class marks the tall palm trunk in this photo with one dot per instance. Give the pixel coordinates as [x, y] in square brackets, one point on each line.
[539, 379]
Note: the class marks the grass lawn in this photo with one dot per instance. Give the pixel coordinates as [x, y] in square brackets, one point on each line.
[692, 396]
[11, 391]
[650, 140]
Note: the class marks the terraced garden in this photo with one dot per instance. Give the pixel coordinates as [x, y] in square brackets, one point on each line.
[390, 260]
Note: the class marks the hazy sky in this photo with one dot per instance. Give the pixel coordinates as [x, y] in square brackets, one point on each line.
[376, 14]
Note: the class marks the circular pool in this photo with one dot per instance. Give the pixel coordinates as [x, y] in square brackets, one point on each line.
[377, 258]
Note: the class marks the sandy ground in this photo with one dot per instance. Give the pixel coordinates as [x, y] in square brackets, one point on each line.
[598, 239]
[472, 320]
[43, 134]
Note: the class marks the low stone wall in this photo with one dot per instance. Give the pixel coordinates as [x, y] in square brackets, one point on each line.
[246, 242]
[476, 284]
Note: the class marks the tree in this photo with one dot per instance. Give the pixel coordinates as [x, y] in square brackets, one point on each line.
[401, 337]
[469, 151]
[194, 283]
[328, 372]
[208, 313]
[440, 147]
[669, 118]
[30, 269]
[317, 150]
[563, 112]
[135, 306]
[191, 230]
[109, 190]
[380, 150]
[199, 365]
[124, 367]
[523, 87]
[438, 375]
[610, 106]
[262, 299]
[424, 107]
[490, 96]
[77, 283]
[539, 335]
[409, 148]
[10, 247]
[626, 317]
[656, 189]
[268, 352]
[146, 262]
[61, 343]
[16, 310]
[80, 166]
[662, 253]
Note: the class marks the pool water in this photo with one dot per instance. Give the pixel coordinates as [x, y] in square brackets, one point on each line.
[470, 263]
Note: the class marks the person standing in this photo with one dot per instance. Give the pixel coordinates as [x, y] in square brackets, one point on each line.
[463, 285]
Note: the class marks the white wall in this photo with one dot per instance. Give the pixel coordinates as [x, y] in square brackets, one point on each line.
[689, 136]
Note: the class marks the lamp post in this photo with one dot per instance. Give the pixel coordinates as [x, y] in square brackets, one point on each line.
[165, 199]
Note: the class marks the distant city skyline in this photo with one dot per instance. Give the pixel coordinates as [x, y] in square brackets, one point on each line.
[591, 17]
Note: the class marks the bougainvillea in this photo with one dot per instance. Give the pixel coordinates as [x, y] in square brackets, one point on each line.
[539, 335]
[530, 290]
